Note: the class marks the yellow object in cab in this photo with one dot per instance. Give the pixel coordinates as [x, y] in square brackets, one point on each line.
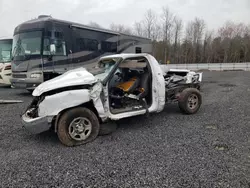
[126, 86]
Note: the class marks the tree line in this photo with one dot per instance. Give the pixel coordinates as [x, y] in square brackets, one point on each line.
[194, 43]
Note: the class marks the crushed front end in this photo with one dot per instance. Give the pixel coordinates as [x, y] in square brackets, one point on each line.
[32, 122]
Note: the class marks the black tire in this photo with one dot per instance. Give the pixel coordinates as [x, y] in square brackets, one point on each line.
[68, 118]
[187, 107]
[107, 128]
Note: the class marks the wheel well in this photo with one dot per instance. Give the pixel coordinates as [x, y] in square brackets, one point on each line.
[89, 105]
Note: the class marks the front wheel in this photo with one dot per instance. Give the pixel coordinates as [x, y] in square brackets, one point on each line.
[78, 126]
[190, 101]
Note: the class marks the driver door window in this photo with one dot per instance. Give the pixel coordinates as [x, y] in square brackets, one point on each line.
[60, 48]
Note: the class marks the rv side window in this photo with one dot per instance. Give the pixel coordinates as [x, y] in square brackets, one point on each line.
[92, 45]
[137, 50]
[87, 44]
[109, 46]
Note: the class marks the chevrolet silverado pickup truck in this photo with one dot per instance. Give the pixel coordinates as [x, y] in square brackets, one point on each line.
[86, 102]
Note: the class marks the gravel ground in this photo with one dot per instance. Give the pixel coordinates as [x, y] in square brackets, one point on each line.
[208, 149]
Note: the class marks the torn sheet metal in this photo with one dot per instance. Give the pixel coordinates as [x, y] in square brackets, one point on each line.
[95, 93]
[54, 104]
[74, 77]
[10, 101]
[165, 70]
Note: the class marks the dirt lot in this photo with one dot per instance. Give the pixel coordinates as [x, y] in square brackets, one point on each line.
[208, 149]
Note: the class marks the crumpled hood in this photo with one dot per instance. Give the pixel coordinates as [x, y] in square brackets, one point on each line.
[79, 76]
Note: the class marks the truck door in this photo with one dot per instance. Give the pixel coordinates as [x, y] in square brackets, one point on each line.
[158, 84]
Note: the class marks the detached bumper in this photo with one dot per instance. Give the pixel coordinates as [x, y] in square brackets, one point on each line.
[36, 125]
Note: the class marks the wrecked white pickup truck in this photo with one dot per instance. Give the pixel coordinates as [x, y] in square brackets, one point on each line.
[85, 102]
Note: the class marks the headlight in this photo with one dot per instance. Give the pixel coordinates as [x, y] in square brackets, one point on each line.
[35, 75]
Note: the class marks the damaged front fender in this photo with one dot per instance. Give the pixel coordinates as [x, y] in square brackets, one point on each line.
[54, 104]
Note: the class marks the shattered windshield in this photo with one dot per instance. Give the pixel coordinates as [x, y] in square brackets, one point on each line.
[26, 45]
[5, 50]
[103, 68]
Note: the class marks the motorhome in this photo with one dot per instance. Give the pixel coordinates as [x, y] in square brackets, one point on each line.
[5, 59]
[45, 47]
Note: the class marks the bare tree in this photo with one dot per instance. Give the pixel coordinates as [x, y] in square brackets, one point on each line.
[149, 22]
[231, 43]
[157, 34]
[199, 26]
[207, 47]
[121, 28]
[177, 34]
[138, 28]
[198, 31]
[188, 43]
[168, 19]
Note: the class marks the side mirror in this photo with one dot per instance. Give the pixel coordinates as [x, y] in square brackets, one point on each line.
[52, 49]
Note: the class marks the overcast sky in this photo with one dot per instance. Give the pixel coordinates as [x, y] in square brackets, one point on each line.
[105, 12]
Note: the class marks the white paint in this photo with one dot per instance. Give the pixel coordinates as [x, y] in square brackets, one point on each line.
[54, 104]
[5, 74]
[158, 85]
[95, 93]
[79, 76]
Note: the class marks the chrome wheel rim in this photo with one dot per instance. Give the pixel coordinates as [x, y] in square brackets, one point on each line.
[80, 129]
[193, 101]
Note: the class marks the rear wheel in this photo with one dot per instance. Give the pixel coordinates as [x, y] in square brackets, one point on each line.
[78, 126]
[190, 101]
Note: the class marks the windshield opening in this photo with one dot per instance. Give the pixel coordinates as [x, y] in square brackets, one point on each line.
[102, 69]
[26, 44]
[5, 50]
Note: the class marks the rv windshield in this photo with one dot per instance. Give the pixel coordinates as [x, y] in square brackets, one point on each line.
[5, 50]
[26, 45]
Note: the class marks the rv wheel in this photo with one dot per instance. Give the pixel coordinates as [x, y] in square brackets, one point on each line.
[78, 126]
